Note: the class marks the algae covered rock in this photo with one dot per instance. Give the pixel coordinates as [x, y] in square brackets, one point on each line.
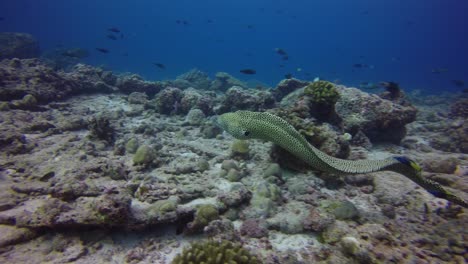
[212, 252]
[240, 148]
[286, 87]
[144, 155]
[168, 100]
[132, 145]
[203, 216]
[195, 117]
[342, 210]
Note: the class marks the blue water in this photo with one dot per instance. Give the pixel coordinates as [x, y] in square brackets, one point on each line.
[401, 41]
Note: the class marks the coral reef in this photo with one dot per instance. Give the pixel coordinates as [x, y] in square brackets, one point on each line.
[459, 108]
[223, 81]
[100, 128]
[170, 178]
[373, 116]
[237, 98]
[193, 78]
[211, 252]
[134, 83]
[286, 87]
[18, 45]
[167, 101]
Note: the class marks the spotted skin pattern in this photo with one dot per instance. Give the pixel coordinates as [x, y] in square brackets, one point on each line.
[266, 126]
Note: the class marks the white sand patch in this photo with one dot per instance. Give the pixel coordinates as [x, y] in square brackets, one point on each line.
[285, 242]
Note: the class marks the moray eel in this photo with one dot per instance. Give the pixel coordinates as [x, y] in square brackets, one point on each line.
[266, 126]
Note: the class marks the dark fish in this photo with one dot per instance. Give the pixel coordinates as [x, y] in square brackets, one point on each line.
[110, 36]
[122, 35]
[102, 50]
[439, 70]
[458, 83]
[114, 29]
[285, 57]
[159, 65]
[76, 53]
[178, 21]
[248, 71]
[250, 26]
[185, 22]
[359, 65]
[2, 18]
[281, 65]
[288, 76]
[465, 90]
[209, 21]
[281, 51]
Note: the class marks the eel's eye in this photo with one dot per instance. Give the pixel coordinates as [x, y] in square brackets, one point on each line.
[246, 133]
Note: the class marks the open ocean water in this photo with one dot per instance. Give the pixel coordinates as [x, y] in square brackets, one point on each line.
[420, 44]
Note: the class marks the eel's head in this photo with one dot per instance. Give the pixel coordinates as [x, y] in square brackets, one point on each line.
[413, 171]
[233, 124]
[411, 167]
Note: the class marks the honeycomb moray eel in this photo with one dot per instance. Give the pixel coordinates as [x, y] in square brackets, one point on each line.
[266, 126]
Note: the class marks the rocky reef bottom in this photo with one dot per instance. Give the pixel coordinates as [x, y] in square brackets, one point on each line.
[96, 179]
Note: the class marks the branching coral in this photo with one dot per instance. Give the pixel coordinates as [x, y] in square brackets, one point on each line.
[322, 92]
[212, 252]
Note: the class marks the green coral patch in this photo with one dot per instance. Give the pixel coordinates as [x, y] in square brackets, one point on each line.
[212, 252]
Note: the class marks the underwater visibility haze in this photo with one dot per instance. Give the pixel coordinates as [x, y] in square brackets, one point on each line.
[419, 44]
[300, 131]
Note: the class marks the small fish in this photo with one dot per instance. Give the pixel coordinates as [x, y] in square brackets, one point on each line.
[288, 76]
[439, 70]
[248, 71]
[458, 83]
[465, 90]
[359, 65]
[2, 18]
[285, 58]
[209, 21]
[185, 22]
[281, 65]
[159, 65]
[281, 51]
[110, 36]
[250, 26]
[178, 21]
[114, 29]
[102, 50]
